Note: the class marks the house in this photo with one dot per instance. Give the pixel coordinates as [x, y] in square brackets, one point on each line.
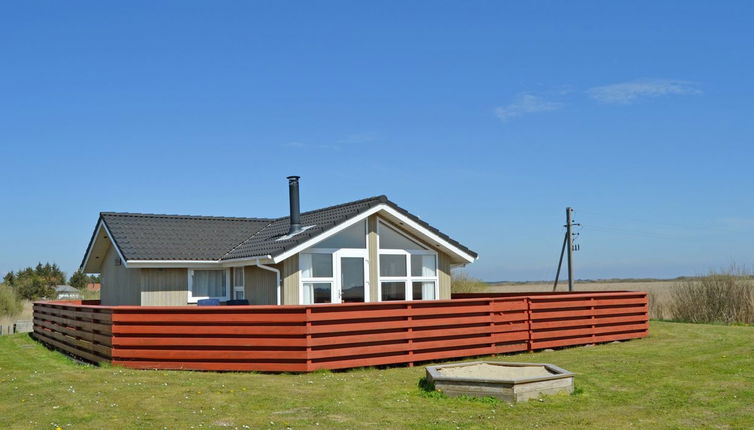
[67, 292]
[93, 287]
[362, 251]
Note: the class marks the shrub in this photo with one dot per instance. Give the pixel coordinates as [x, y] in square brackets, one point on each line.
[656, 307]
[462, 282]
[724, 297]
[10, 304]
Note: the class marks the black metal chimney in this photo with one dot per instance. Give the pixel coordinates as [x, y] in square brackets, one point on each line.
[295, 208]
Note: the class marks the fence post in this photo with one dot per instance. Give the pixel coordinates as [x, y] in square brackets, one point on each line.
[490, 305]
[308, 339]
[530, 340]
[594, 318]
[410, 337]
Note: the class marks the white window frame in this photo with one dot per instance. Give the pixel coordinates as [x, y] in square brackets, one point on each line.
[194, 299]
[408, 280]
[335, 280]
[239, 287]
[314, 280]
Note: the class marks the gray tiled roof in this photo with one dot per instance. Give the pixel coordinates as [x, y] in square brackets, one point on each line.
[180, 237]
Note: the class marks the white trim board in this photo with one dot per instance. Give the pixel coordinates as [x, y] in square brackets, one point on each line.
[381, 207]
[100, 226]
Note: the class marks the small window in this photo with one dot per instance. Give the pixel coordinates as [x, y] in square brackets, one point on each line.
[205, 284]
[239, 292]
[317, 292]
[316, 265]
[238, 275]
[423, 265]
[393, 291]
[424, 290]
[392, 265]
[316, 277]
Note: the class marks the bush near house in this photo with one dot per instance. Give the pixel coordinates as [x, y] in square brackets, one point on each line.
[10, 303]
[462, 282]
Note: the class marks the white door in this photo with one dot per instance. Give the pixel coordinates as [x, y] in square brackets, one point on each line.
[351, 279]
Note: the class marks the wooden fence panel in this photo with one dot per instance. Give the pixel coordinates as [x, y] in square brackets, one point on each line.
[78, 329]
[233, 338]
[307, 338]
[587, 318]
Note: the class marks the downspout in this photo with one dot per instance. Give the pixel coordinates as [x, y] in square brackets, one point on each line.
[277, 276]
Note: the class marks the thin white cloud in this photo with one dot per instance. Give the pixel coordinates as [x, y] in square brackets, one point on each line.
[526, 104]
[628, 92]
[358, 138]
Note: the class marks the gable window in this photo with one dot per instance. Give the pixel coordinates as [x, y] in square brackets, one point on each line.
[239, 292]
[208, 284]
[408, 270]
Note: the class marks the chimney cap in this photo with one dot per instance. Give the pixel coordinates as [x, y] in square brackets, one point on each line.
[293, 178]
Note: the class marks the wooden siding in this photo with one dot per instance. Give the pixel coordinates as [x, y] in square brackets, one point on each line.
[120, 286]
[164, 287]
[290, 274]
[259, 286]
[307, 338]
[443, 274]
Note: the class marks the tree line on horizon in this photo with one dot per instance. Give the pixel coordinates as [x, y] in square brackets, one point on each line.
[34, 283]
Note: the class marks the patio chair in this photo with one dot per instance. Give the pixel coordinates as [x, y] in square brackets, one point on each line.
[237, 302]
[208, 302]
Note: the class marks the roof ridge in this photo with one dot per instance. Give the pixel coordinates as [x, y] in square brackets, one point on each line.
[382, 198]
[209, 217]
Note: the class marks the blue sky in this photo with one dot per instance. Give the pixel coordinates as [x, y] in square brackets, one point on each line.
[484, 118]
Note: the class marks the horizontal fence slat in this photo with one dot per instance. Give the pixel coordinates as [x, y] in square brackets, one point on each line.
[214, 365]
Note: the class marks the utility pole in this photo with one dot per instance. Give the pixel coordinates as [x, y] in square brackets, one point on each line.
[567, 242]
[569, 236]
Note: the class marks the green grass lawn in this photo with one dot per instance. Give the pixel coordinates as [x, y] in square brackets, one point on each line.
[682, 376]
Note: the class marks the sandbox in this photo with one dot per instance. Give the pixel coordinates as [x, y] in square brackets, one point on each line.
[510, 382]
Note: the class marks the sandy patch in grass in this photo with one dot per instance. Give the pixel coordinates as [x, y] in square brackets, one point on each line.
[494, 371]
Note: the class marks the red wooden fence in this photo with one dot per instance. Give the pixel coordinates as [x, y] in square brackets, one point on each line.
[306, 338]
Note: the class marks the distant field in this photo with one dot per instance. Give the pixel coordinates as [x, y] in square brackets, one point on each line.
[659, 290]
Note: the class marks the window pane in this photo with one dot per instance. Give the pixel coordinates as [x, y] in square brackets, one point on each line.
[392, 265]
[238, 276]
[393, 291]
[391, 239]
[322, 265]
[208, 283]
[423, 265]
[238, 294]
[424, 290]
[352, 237]
[321, 292]
[317, 292]
[352, 279]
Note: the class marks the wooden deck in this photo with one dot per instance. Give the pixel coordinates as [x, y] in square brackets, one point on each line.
[307, 338]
